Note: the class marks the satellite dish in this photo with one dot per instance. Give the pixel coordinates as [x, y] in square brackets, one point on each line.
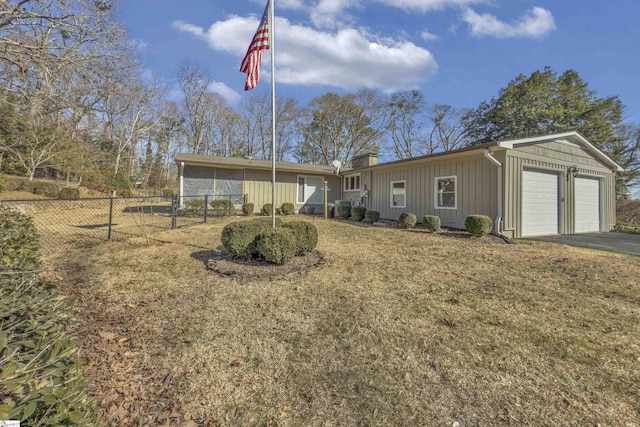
[336, 164]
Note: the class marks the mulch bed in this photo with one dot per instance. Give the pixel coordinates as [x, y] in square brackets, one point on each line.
[225, 264]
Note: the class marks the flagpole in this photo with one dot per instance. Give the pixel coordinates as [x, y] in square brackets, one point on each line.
[272, 48]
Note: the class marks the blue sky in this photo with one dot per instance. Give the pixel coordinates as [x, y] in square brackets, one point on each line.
[457, 52]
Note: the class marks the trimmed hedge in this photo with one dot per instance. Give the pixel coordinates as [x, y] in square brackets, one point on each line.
[247, 209]
[267, 209]
[287, 208]
[193, 207]
[358, 213]
[69, 193]
[41, 376]
[239, 238]
[431, 223]
[267, 221]
[344, 211]
[221, 207]
[306, 235]
[478, 225]
[276, 245]
[19, 242]
[372, 216]
[407, 220]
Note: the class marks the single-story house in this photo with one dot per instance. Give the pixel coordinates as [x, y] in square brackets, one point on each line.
[250, 180]
[554, 184]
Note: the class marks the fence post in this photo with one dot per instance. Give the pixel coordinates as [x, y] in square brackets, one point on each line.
[110, 218]
[206, 207]
[174, 210]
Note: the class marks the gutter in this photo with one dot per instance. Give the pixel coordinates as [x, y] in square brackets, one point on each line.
[498, 222]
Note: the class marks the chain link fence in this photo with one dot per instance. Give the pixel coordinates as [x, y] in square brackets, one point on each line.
[62, 223]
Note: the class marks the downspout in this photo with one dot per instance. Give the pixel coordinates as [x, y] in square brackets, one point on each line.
[498, 222]
[181, 167]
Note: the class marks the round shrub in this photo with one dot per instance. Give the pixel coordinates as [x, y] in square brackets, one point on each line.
[358, 213]
[344, 211]
[267, 221]
[194, 207]
[267, 209]
[372, 216]
[167, 192]
[221, 207]
[287, 208]
[69, 193]
[247, 209]
[478, 225]
[306, 235]
[276, 245]
[407, 220]
[431, 223]
[239, 238]
[19, 242]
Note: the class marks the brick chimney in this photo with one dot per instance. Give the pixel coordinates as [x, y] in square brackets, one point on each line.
[364, 160]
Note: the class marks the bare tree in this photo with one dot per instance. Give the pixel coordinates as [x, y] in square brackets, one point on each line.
[406, 124]
[194, 82]
[447, 129]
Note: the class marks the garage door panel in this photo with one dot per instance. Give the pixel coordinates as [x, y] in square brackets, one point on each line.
[540, 211]
[587, 205]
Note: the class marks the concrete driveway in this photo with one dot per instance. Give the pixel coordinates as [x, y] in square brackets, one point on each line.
[612, 242]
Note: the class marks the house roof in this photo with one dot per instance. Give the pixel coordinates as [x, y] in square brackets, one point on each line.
[242, 163]
[570, 137]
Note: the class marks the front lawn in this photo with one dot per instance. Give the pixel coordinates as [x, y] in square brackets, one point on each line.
[397, 328]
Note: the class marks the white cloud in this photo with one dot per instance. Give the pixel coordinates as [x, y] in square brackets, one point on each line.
[537, 22]
[426, 35]
[231, 96]
[429, 5]
[346, 58]
[331, 13]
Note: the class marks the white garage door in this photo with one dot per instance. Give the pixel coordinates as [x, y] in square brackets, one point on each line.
[587, 205]
[539, 203]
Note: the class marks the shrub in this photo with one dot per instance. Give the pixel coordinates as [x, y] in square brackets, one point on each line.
[41, 375]
[239, 238]
[431, 223]
[267, 209]
[14, 183]
[247, 208]
[478, 225]
[43, 188]
[372, 216]
[358, 213]
[277, 245]
[287, 208]
[267, 221]
[126, 192]
[344, 211]
[19, 242]
[3, 183]
[69, 193]
[306, 235]
[407, 220]
[222, 207]
[167, 192]
[193, 207]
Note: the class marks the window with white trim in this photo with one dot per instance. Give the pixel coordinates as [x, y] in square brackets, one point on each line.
[398, 194]
[352, 182]
[310, 189]
[446, 192]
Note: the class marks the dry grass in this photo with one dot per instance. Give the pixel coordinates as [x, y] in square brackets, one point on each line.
[399, 328]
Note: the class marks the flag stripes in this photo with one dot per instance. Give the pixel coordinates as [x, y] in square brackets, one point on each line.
[253, 59]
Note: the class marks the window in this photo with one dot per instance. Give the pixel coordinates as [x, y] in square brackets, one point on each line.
[446, 192]
[310, 189]
[398, 194]
[352, 182]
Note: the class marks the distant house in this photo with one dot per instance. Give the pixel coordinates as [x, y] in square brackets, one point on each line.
[554, 184]
[246, 179]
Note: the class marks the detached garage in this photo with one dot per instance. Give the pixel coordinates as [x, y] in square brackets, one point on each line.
[552, 184]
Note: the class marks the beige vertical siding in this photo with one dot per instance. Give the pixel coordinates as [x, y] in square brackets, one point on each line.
[477, 181]
[257, 186]
[539, 158]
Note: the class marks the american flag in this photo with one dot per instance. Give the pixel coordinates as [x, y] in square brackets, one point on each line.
[253, 58]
